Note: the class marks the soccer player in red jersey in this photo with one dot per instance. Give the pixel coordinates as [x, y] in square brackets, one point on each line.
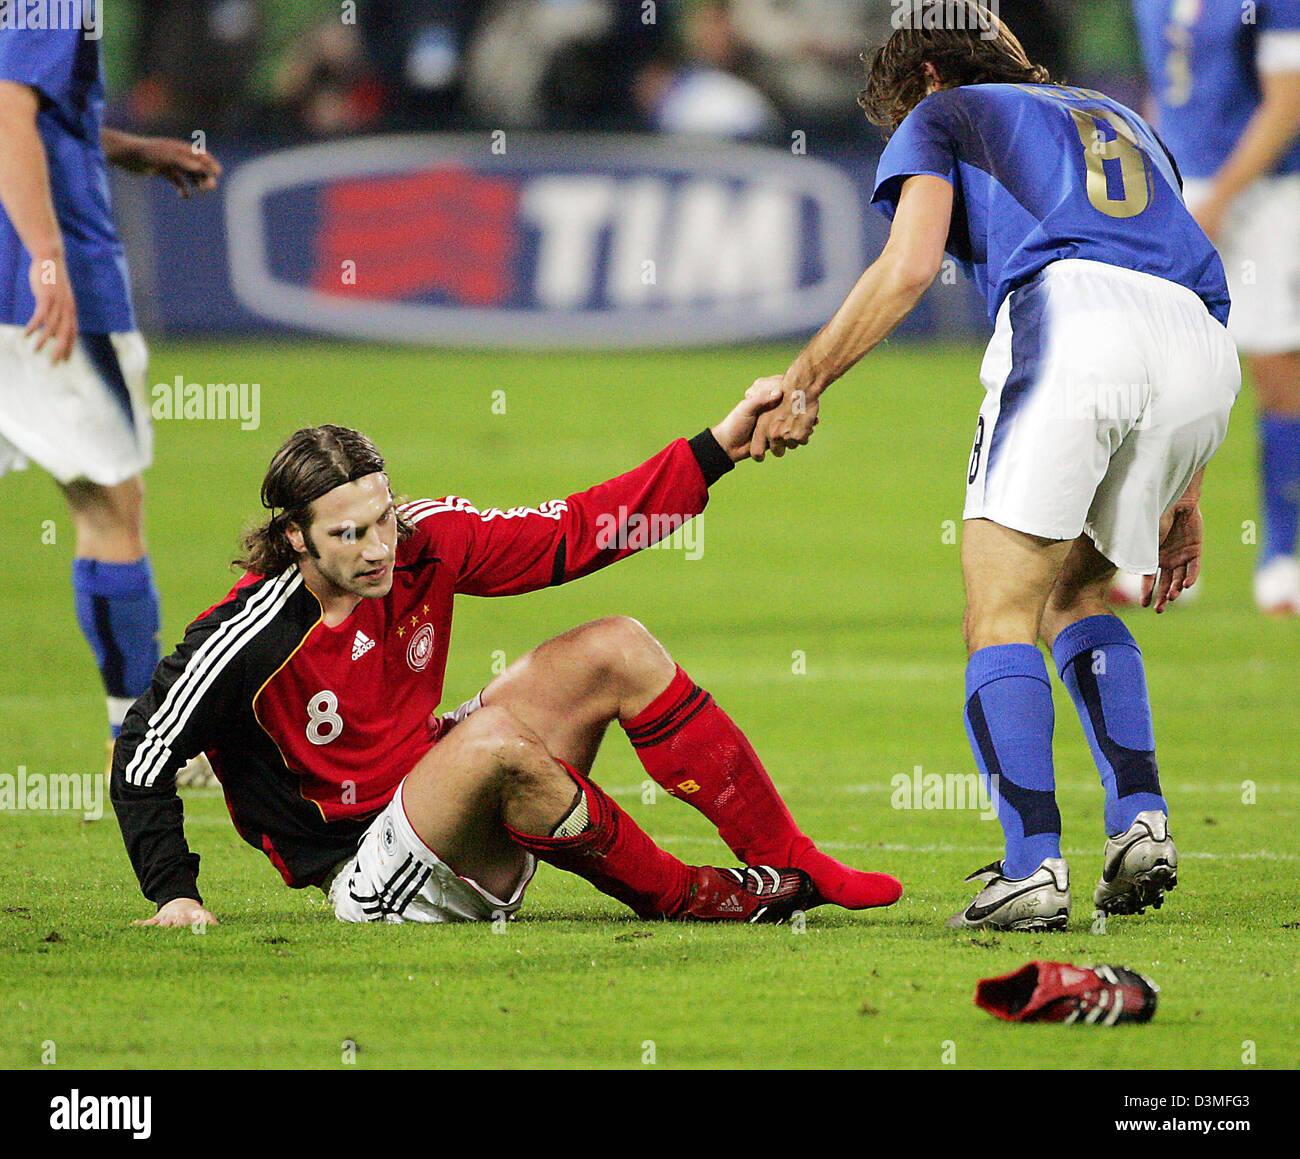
[314, 688]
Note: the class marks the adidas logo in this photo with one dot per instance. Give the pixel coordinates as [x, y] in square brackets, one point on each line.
[733, 905]
[361, 644]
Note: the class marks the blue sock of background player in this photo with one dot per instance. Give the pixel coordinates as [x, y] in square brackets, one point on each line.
[1101, 666]
[117, 609]
[1009, 720]
[1279, 444]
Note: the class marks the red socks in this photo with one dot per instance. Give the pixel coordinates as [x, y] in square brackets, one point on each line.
[615, 854]
[695, 751]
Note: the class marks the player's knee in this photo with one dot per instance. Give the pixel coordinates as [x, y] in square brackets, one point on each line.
[516, 759]
[974, 634]
[1066, 599]
[502, 743]
[974, 626]
[988, 628]
[620, 648]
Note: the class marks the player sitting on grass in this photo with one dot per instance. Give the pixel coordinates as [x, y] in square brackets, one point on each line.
[1109, 382]
[313, 687]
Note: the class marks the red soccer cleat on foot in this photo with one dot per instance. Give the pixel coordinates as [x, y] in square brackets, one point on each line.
[755, 893]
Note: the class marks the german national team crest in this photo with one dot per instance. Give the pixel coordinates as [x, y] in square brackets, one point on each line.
[388, 836]
[420, 649]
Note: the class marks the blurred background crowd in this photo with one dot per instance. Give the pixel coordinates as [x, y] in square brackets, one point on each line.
[743, 69]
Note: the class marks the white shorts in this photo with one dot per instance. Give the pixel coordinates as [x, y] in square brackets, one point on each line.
[86, 418]
[1260, 247]
[1106, 391]
[395, 877]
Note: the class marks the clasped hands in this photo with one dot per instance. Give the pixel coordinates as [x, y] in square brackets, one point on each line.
[773, 416]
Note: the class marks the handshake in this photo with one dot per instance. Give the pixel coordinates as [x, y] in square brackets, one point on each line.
[772, 416]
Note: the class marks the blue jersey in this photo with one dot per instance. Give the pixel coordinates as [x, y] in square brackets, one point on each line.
[1043, 173]
[62, 65]
[1205, 58]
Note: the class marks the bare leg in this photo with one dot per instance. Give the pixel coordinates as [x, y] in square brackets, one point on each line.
[1009, 576]
[1080, 590]
[491, 790]
[570, 688]
[1009, 713]
[489, 771]
[1277, 382]
[116, 603]
[108, 521]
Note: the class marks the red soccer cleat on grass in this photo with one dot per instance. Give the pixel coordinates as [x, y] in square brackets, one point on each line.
[1059, 992]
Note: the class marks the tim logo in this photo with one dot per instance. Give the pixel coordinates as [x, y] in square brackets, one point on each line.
[420, 649]
[561, 240]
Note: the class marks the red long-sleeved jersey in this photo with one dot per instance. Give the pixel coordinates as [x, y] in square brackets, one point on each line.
[311, 728]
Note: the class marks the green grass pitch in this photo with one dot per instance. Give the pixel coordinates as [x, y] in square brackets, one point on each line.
[824, 616]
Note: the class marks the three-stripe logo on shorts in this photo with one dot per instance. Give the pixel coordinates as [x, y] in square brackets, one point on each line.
[397, 891]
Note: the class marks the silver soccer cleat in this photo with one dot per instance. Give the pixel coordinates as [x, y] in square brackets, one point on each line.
[1139, 867]
[1040, 901]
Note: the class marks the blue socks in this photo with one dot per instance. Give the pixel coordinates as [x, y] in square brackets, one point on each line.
[1009, 720]
[1279, 445]
[1101, 665]
[117, 609]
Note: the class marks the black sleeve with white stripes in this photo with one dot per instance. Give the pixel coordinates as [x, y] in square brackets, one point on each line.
[148, 754]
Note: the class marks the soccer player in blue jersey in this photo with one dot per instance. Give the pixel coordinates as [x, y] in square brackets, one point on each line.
[72, 365]
[1109, 381]
[1226, 78]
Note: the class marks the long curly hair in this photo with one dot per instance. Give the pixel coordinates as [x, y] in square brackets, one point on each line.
[966, 43]
[309, 463]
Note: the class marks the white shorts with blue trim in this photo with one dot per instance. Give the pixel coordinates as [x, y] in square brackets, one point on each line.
[1106, 390]
[84, 418]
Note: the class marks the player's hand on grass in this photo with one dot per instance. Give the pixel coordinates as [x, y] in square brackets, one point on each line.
[180, 911]
[787, 425]
[189, 169]
[55, 318]
[1181, 536]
